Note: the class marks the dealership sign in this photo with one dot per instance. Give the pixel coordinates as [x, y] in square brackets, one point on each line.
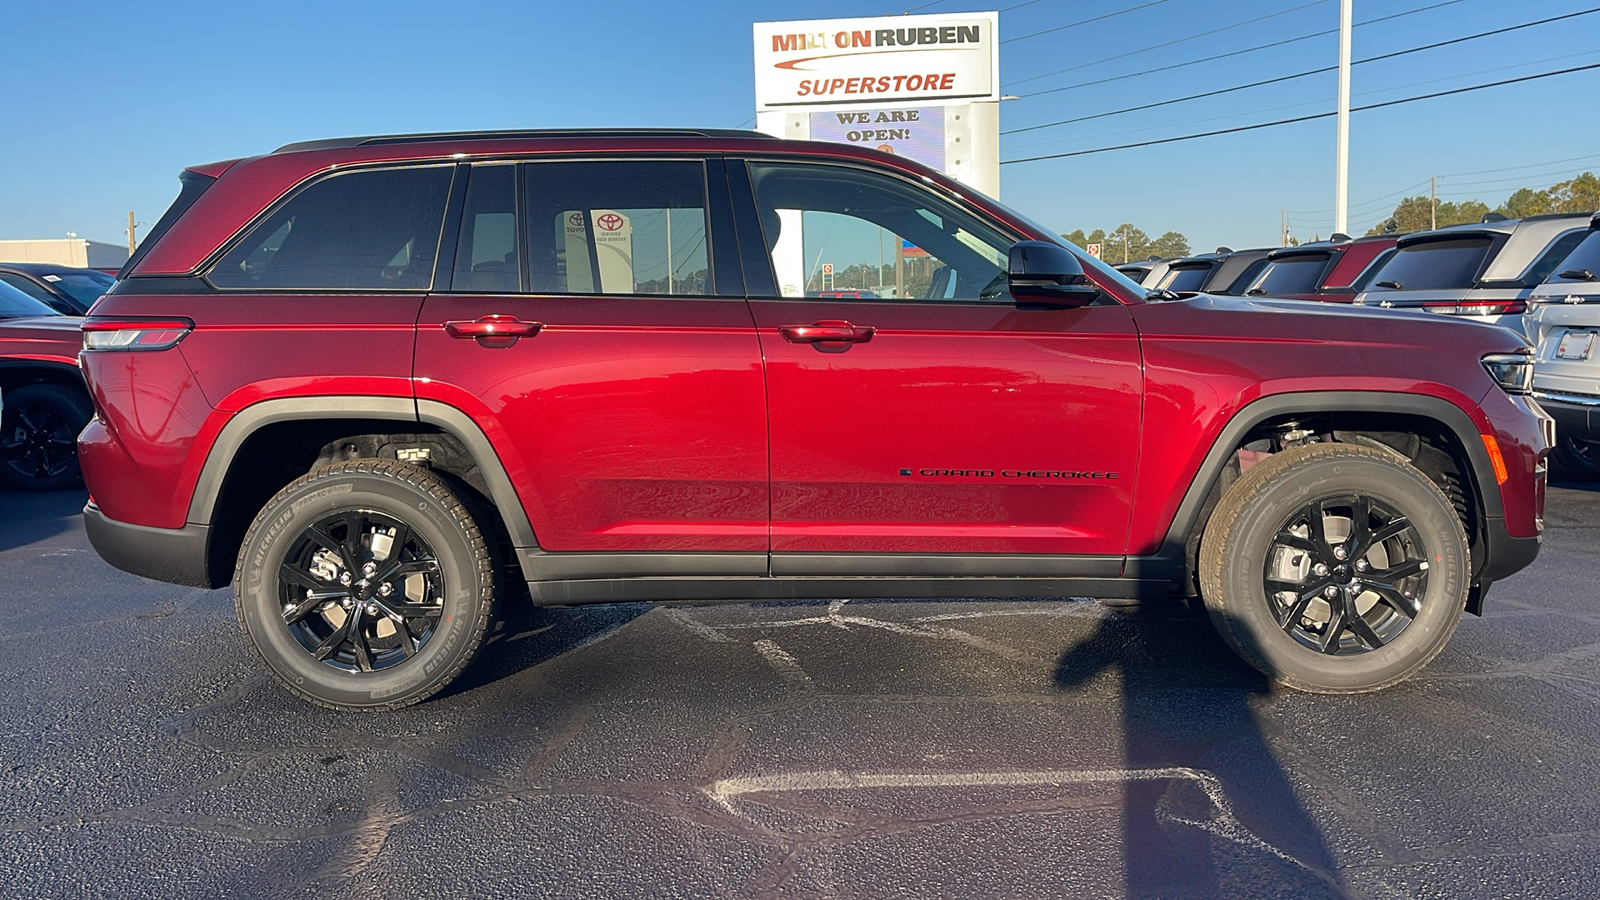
[915, 133]
[893, 59]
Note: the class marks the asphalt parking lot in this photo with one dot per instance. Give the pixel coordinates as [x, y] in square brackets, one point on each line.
[851, 749]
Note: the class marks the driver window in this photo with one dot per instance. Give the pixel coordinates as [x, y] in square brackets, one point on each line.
[841, 232]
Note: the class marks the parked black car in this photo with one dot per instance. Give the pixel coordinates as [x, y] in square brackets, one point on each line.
[65, 289]
[1226, 271]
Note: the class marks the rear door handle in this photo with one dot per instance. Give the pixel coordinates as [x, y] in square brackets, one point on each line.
[829, 335]
[493, 331]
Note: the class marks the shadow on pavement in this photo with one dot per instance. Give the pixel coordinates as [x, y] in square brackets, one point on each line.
[1188, 705]
[27, 518]
[529, 636]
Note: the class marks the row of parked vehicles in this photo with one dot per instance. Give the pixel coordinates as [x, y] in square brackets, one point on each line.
[1535, 276]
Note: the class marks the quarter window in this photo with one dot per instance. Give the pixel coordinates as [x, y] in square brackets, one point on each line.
[486, 257]
[367, 230]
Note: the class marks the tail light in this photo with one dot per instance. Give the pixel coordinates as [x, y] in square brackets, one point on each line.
[134, 334]
[1476, 307]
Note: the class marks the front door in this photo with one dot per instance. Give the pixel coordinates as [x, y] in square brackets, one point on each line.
[594, 334]
[915, 409]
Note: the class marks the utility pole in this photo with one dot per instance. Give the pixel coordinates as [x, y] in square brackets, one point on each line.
[1433, 203]
[1124, 245]
[1341, 178]
[1283, 228]
[132, 242]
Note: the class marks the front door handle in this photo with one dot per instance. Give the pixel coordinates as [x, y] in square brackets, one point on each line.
[493, 331]
[829, 335]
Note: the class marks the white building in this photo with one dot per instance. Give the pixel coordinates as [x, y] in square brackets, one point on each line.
[83, 254]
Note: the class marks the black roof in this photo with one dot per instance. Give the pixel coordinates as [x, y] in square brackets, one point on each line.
[340, 143]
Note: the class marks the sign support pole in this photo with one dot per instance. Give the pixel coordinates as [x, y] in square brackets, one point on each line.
[1341, 178]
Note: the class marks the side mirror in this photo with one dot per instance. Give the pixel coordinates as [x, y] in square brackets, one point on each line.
[1042, 275]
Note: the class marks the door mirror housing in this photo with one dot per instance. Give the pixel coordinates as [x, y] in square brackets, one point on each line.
[1043, 275]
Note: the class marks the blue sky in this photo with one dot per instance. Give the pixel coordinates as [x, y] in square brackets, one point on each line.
[110, 100]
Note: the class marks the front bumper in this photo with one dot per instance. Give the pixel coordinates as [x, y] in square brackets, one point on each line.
[176, 556]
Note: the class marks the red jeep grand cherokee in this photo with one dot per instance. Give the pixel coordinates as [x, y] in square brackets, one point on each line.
[378, 383]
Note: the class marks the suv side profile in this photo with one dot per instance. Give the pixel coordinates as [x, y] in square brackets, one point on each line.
[383, 385]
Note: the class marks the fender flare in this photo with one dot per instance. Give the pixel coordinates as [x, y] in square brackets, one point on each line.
[1170, 557]
[239, 428]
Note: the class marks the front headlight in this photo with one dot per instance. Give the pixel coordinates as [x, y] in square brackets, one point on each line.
[1512, 371]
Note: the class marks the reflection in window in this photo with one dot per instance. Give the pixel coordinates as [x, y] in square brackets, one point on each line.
[618, 228]
[837, 231]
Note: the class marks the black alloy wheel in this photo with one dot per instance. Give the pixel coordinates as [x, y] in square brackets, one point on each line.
[1335, 568]
[1345, 575]
[366, 585]
[361, 591]
[39, 427]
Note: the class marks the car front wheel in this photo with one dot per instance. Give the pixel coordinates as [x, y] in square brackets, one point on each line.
[1335, 568]
[365, 585]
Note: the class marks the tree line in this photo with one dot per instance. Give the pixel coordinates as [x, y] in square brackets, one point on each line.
[1126, 243]
[1576, 195]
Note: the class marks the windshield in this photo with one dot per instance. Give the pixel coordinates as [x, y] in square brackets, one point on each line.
[1300, 273]
[14, 304]
[1186, 279]
[1584, 258]
[1433, 266]
[84, 287]
[1089, 262]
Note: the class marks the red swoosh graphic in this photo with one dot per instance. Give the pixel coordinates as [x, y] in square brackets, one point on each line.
[795, 62]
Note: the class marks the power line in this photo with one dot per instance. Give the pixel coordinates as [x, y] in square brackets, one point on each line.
[1246, 115]
[1528, 166]
[1206, 59]
[1324, 115]
[1318, 71]
[1192, 37]
[1109, 15]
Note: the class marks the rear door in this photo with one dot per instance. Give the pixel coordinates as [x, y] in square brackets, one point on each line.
[937, 420]
[594, 328]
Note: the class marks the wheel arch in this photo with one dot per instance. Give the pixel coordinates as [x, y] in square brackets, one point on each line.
[1358, 412]
[269, 444]
[19, 372]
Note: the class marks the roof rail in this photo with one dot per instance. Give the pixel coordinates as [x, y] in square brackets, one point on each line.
[341, 143]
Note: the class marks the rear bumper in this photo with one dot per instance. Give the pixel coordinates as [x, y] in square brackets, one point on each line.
[176, 556]
[1576, 415]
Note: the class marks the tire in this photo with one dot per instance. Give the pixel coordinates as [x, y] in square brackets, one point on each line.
[1575, 459]
[39, 428]
[331, 632]
[1396, 600]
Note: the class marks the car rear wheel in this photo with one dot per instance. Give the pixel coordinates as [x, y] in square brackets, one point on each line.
[1575, 459]
[1335, 568]
[39, 428]
[365, 585]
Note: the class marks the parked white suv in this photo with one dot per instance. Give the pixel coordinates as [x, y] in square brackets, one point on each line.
[1563, 322]
[1483, 272]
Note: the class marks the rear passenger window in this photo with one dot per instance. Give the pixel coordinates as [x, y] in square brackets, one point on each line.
[617, 227]
[366, 230]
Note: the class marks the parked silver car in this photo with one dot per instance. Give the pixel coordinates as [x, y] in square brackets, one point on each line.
[1483, 271]
[1563, 321]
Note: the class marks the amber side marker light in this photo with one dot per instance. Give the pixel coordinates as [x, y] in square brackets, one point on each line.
[1495, 459]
